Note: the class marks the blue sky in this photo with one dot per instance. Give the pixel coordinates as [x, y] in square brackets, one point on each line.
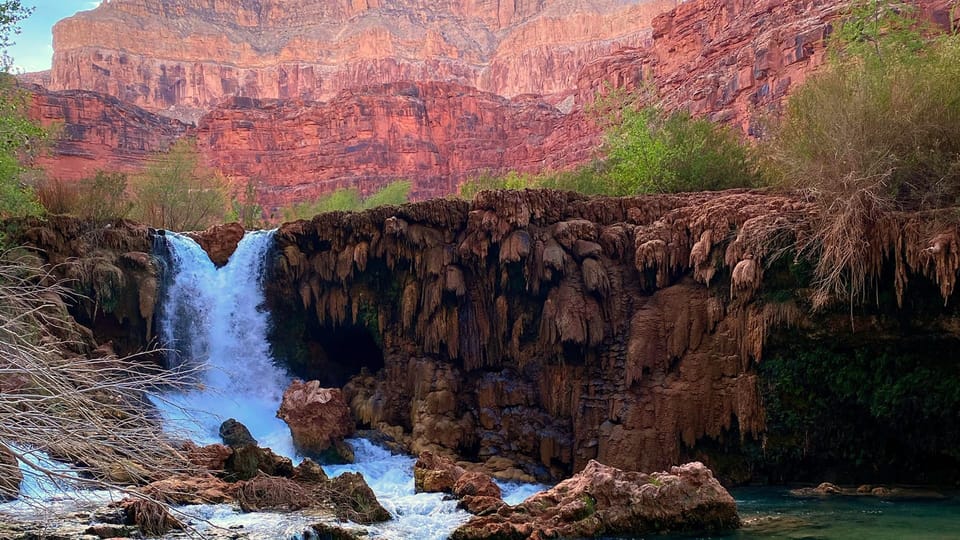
[34, 46]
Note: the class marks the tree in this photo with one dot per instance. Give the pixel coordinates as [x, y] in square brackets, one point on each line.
[19, 137]
[244, 209]
[176, 192]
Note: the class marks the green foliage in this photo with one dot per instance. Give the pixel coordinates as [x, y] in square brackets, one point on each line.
[20, 139]
[244, 209]
[104, 196]
[394, 193]
[651, 151]
[648, 151]
[176, 192]
[11, 13]
[349, 200]
[873, 411]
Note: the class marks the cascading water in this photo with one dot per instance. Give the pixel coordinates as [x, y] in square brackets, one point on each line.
[215, 316]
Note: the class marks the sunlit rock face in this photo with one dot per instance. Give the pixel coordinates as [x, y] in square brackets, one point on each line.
[189, 55]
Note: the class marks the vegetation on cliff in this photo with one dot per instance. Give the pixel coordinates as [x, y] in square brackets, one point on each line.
[876, 130]
[348, 200]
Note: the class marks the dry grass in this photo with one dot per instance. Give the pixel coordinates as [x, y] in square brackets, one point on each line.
[272, 493]
[87, 411]
[868, 136]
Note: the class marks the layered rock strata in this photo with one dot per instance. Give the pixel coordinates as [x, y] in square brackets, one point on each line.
[184, 57]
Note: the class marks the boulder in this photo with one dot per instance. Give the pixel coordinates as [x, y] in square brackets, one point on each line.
[10, 475]
[603, 500]
[434, 473]
[247, 462]
[477, 492]
[235, 434]
[354, 500]
[219, 241]
[212, 457]
[319, 420]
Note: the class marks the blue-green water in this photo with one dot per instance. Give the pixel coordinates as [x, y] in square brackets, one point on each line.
[772, 513]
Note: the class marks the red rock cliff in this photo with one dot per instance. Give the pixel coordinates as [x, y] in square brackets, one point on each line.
[185, 56]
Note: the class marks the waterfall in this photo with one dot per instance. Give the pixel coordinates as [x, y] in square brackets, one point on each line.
[214, 317]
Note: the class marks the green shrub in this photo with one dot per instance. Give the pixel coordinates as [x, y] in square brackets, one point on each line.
[104, 196]
[349, 200]
[651, 151]
[176, 192]
[877, 129]
[394, 193]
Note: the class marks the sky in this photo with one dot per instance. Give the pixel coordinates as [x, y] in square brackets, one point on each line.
[33, 49]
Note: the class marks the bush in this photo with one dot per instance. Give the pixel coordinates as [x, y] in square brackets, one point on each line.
[19, 140]
[878, 129]
[178, 193]
[349, 200]
[651, 151]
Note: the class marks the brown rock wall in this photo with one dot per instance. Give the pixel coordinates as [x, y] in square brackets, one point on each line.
[542, 329]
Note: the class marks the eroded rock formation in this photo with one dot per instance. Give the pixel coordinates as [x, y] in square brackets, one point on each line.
[603, 501]
[543, 329]
[319, 420]
[493, 88]
[98, 132]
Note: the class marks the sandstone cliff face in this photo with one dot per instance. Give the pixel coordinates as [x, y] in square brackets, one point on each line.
[436, 134]
[98, 132]
[186, 56]
[732, 61]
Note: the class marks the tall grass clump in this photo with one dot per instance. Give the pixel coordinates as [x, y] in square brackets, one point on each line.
[877, 130]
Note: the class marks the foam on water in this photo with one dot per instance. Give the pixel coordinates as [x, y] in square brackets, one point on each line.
[424, 516]
[216, 317]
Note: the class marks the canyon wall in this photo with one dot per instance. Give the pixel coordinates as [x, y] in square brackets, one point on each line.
[184, 57]
[98, 132]
[733, 61]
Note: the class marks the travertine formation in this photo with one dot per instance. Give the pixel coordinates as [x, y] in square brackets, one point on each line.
[534, 331]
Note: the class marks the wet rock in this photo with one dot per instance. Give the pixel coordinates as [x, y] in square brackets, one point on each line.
[476, 484]
[319, 420]
[354, 500]
[477, 492]
[606, 501]
[248, 461]
[212, 457]
[309, 472]
[826, 489]
[105, 530]
[433, 473]
[325, 531]
[10, 475]
[219, 241]
[235, 434]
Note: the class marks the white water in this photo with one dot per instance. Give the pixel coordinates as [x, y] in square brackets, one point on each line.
[215, 317]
